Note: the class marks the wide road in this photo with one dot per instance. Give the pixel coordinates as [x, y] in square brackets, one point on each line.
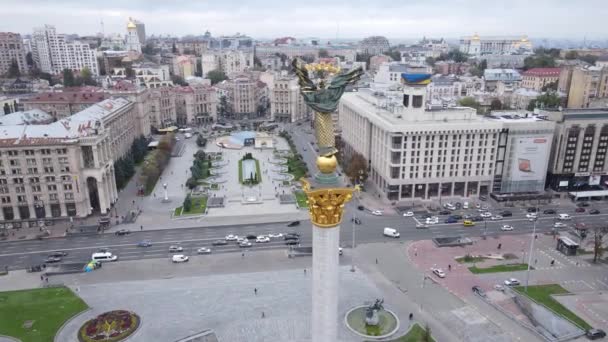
[20, 254]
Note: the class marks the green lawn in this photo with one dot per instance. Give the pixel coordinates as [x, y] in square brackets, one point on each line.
[302, 199]
[296, 167]
[240, 171]
[416, 334]
[199, 204]
[48, 308]
[499, 268]
[542, 294]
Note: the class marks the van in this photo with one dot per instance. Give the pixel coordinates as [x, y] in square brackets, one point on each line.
[564, 217]
[105, 256]
[391, 232]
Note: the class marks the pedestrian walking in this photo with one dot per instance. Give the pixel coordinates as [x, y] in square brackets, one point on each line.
[411, 316]
[376, 261]
[41, 278]
[46, 279]
[255, 290]
[449, 267]
[141, 227]
[304, 271]
[263, 315]
[243, 255]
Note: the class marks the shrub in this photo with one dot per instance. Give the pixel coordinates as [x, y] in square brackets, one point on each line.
[187, 203]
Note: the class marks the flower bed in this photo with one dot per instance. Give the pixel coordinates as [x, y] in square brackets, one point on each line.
[111, 326]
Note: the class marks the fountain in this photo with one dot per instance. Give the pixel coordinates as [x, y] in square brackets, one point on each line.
[372, 321]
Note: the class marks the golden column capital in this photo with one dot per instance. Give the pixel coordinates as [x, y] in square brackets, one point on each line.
[326, 205]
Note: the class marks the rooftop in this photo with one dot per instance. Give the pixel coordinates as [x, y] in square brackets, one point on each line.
[29, 117]
[68, 97]
[542, 72]
[501, 75]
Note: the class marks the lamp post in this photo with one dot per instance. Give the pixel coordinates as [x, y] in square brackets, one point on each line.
[531, 249]
[357, 190]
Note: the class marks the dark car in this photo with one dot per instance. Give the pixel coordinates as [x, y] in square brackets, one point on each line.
[476, 218]
[445, 212]
[506, 213]
[457, 217]
[144, 243]
[251, 237]
[451, 220]
[52, 259]
[549, 211]
[355, 220]
[292, 242]
[531, 209]
[580, 210]
[219, 243]
[360, 207]
[483, 198]
[594, 334]
[291, 237]
[293, 224]
[479, 291]
[582, 204]
[122, 232]
[58, 254]
[427, 215]
[594, 212]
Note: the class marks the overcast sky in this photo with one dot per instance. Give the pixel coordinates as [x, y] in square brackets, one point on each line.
[318, 18]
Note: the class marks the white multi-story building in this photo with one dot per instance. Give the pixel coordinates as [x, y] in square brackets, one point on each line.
[444, 88]
[231, 62]
[492, 78]
[373, 45]
[52, 53]
[147, 74]
[416, 153]
[390, 73]
[12, 49]
[478, 46]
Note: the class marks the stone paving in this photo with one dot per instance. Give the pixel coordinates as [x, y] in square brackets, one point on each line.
[174, 308]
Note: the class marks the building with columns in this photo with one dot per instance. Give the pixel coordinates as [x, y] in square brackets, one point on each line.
[66, 168]
[478, 46]
[415, 152]
[195, 105]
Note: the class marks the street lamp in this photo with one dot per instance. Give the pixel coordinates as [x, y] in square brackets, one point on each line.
[354, 223]
[531, 248]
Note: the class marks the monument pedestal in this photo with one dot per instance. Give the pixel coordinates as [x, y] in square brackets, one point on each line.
[326, 178]
[325, 265]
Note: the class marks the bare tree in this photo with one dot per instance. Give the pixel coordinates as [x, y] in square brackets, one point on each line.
[598, 239]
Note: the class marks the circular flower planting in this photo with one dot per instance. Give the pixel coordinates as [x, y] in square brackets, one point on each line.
[112, 326]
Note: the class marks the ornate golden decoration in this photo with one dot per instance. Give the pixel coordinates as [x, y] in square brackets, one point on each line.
[326, 205]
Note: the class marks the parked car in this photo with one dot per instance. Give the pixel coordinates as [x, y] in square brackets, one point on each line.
[175, 249]
[549, 211]
[179, 258]
[451, 220]
[506, 213]
[203, 250]
[244, 244]
[292, 242]
[408, 214]
[377, 212]
[291, 236]
[496, 218]
[219, 243]
[52, 259]
[438, 272]
[595, 334]
[506, 228]
[445, 212]
[476, 218]
[58, 254]
[262, 239]
[478, 291]
[251, 237]
[122, 232]
[231, 237]
[293, 224]
[512, 282]
[580, 210]
[275, 236]
[594, 212]
[531, 209]
[144, 243]
[457, 217]
[360, 207]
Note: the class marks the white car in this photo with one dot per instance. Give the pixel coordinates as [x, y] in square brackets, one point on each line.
[203, 250]
[231, 237]
[438, 272]
[512, 282]
[377, 212]
[496, 218]
[560, 225]
[245, 244]
[262, 239]
[340, 251]
[506, 227]
[179, 258]
[485, 215]
[408, 214]
[421, 226]
[432, 220]
[275, 236]
[531, 215]
[173, 249]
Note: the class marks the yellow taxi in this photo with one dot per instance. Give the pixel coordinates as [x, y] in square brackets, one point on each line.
[468, 223]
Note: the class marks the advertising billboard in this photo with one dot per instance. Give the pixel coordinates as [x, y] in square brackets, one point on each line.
[530, 158]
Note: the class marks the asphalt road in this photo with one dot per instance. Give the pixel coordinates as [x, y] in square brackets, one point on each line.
[20, 254]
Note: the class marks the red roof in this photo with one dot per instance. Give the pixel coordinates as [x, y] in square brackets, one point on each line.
[68, 97]
[546, 72]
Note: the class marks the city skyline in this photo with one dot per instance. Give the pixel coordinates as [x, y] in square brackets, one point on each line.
[314, 18]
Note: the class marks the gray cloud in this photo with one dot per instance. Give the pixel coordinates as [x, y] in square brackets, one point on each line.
[347, 19]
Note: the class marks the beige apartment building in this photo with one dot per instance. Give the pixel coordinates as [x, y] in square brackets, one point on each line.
[286, 102]
[244, 94]
[12, 49]
[195, 105]
[537, 78]
[162, 107]
[66, 168]
[586, 85]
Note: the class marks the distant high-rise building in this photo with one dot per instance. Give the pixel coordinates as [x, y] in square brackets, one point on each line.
[141, 31]
[52, 52]
[11, 49]
[132, 42]
[374, 45]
